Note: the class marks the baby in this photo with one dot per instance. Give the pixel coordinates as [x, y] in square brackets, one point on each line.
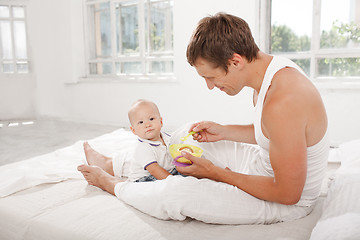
[151, 157]
[151, 160]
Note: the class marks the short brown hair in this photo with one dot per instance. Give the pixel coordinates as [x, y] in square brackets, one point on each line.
[218, 37]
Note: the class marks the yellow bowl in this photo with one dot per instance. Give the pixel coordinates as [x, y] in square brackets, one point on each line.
[176, 149]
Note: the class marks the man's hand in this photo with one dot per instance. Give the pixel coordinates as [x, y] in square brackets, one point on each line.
[201, 167]
[207, 131]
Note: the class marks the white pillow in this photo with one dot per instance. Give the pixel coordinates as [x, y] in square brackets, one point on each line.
[345, 226]
[341, 210]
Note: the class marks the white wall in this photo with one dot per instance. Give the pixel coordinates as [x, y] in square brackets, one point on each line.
[56, 29]
[343, 109]
[58, 53]
[17, 97]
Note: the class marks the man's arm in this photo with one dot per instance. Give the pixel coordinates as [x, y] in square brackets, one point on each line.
[284, 124]
[211, 132]
[240, 133]
[157, 171]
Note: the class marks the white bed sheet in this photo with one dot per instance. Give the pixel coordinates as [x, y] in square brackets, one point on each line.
[74, 210]
[62, 206]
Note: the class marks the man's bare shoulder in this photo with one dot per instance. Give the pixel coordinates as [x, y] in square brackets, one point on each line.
[294, 101]
[292, 87]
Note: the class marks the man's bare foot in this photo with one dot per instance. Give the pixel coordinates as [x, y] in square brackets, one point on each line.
[96, 159]
[96, 176]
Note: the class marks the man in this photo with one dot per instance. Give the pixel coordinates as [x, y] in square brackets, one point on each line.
[290, 115]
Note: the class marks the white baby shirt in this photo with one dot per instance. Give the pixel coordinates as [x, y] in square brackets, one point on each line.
[147, 152]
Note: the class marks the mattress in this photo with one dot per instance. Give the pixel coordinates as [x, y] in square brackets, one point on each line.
[74, 210]
[46, 198]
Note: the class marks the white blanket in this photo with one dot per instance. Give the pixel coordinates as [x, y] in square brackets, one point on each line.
[173, 198]
[74, 210]
[61, 164]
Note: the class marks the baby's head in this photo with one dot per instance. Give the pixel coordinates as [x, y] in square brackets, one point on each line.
[145, 119]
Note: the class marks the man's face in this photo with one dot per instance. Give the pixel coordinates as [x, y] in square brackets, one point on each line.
[217, 77]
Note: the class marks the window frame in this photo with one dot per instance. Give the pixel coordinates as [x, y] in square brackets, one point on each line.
[315, 52]
[14, 59]
[114, 58]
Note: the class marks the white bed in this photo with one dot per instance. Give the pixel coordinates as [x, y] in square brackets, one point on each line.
[46, 198]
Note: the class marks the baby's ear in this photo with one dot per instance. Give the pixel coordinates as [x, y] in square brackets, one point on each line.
[132, 129]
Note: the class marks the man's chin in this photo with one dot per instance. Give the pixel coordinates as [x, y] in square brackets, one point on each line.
[230, 93]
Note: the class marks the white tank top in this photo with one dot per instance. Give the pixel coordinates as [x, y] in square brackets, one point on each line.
[317, 154]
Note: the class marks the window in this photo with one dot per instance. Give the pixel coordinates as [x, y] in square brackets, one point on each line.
[131, 38]
[322, 37]
[13, 43]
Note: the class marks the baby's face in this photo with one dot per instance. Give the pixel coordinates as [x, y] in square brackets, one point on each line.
[146, 122]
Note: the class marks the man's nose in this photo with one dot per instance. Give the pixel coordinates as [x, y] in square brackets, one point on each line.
[209, 84]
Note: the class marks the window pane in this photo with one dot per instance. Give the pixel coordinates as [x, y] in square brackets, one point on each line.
[93, 68]
[6, 44]
[304, 64]
[20, 39]
[161, 67]
[8, 67]
[103, 6]
[22, 67]
[18, 12]
[102, 31]
[127, 29]
[339, 67]
[340, 24]
[291, 24]
[4, 11]
[100, 68]
[133, 39]
[128, 68]
[159, 25]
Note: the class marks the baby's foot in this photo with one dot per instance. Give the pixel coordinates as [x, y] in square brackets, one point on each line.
[97, 159]
[97, 177]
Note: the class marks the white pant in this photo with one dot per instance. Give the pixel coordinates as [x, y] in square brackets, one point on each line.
[178, 197]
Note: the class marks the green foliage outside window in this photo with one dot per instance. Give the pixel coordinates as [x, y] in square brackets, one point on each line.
[341, 35]
[284, 39]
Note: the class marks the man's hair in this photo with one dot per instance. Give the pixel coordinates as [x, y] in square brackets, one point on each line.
[138, 103]
[218, 37]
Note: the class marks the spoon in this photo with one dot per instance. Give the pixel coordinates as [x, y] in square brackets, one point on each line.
[187, 136]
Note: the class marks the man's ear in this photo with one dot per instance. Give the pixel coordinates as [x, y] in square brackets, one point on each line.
[237, 61]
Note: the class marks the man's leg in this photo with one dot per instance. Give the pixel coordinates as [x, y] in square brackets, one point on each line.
[213, 202]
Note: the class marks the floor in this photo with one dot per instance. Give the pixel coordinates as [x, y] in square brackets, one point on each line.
[20, 140]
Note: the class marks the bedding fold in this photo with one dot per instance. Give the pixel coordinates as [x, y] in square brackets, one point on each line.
[61, 164]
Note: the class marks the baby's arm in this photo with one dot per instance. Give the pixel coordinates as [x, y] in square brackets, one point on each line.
[157, 171]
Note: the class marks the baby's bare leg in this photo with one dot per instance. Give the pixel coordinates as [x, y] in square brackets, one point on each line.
[97, 159]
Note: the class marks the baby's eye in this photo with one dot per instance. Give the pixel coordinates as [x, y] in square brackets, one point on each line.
[152, 119]
[140, 122]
